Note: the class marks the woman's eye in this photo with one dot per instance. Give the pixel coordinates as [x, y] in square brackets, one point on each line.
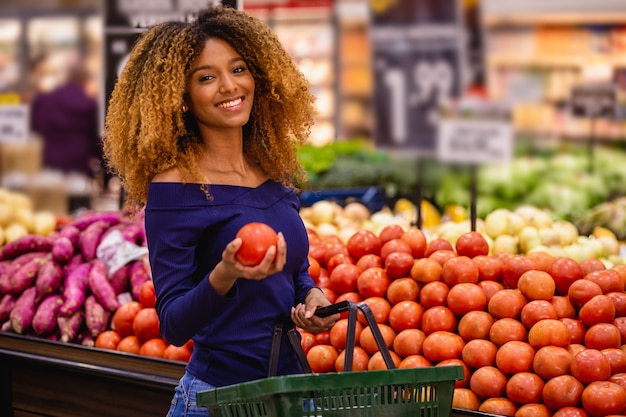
[206, 78]
[239, 69]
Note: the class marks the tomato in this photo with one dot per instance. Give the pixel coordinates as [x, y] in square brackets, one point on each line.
[394, 245]
[546, 332]
[552, 361]
[441, 345]
[543, 260]
[506, 303]
[378, 363]
[380, 308]
[153, 347]
[321, 358]
[513, 269]
[467, 373]
[479, 352]
[373, 282]
[442, 256]
[122, 320]
[591, 265]
[108, 339]
[459, 269]
[536, 285]
[563, 307]
[177, 353]
[314, 268]
[415, 361]
[344, 278]
[609, 280]
[354, 297]
[475, 325]
[490, 288]
[336, 260]
[332, 249]
[367, 341]
[471, 244]
[619, 300]
[438, 318]
[498, 406]
[363, 242]
[129, 344]
[537, 310]
[617, 359]
[256, 239]
[403, 289]
[147, 296]
[582, 291]
[405, 315]
[507, 329]
[426, 270]
[399, 264]
[488, 382]
[416, 240]
[307, 340]
[465, 399]
[603, 336]
[570, 412]
[434, 294]
[489, 267]
[590, 365]
[620, 323]
[339, 333]
[360, 360]
[515, 356]
[465, 297]
[576, 330]
[533, 410]
[438, 244]
[600, 309]
[565, 271]
[619, 378]
[330, 294]
[369, 261]
[389, 232]
[146, 324]
[322, 338]
[524, 388]
[408, 342]
[602, 398]
[562, 391]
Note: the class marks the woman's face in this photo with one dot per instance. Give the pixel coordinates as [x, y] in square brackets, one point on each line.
[220, 90]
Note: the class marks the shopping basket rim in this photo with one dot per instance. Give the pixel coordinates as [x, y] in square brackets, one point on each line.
[413, 377]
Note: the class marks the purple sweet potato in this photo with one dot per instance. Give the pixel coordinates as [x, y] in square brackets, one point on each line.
[25, 244]
[133, 233]
[75, 289]
[7, 302]
[87, 219]
[76, 261]
[24, 311]
[70, 326]
[90, 238]
[71, 232]
[120, 279]
[62, 250]
[45, 319]
[25, 276]
[101, 287]
[49, 278]
[138, 275]
[96, 316]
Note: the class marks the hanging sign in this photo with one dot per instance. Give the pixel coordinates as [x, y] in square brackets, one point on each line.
[416, 54]
[594, 100]
[14, 123]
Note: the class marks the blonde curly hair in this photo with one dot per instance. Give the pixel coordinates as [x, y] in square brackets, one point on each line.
[146, 131]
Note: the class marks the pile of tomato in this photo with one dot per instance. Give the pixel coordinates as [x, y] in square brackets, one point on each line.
[536, 335]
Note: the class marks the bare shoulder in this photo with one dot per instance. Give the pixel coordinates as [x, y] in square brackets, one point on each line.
[170, 175]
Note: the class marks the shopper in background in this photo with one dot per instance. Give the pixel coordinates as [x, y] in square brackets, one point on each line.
[66, 118]
[202, 128]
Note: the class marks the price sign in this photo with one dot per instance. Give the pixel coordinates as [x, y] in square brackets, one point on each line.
[594, 100]
[416, 71]
[474, 141]
[14, 123]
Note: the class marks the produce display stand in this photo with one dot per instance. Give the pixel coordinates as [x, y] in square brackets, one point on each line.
[42, 378]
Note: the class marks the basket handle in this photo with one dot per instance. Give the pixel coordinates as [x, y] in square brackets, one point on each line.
[352, 307]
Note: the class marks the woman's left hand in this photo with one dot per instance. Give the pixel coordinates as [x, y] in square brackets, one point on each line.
[303, 315]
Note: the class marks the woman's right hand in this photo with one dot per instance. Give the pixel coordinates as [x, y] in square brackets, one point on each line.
[229, 269]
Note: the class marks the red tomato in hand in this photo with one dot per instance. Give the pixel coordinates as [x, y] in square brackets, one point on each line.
[256, 239]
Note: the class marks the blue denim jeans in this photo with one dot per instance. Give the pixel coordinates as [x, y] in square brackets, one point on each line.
[184, 401]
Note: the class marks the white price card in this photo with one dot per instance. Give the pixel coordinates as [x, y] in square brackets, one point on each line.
[14, 123]
[474, 141]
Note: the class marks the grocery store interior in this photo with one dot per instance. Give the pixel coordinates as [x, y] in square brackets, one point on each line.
[525, 57]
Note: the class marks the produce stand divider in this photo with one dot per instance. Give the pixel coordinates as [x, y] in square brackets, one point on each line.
[53, 379]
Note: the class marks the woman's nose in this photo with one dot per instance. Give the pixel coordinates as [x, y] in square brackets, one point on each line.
[227, 85]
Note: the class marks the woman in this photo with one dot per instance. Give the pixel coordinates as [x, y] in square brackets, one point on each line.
[202, 128]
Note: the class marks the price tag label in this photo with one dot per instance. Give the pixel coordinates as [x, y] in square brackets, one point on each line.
[594, 100]
[14, 123]
[474, 141]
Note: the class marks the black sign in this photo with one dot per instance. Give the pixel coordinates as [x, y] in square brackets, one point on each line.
[594, 100]
[416, 48]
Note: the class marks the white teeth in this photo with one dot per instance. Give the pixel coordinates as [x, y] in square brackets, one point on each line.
[232, 103]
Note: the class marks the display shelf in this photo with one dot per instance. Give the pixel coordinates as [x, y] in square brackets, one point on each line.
[49, 379]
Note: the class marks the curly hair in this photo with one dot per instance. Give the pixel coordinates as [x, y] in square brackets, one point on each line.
[146, 131]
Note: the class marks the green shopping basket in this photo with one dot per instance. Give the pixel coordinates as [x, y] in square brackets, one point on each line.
[409, 392]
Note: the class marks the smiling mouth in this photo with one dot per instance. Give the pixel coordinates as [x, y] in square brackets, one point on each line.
[231, 103]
